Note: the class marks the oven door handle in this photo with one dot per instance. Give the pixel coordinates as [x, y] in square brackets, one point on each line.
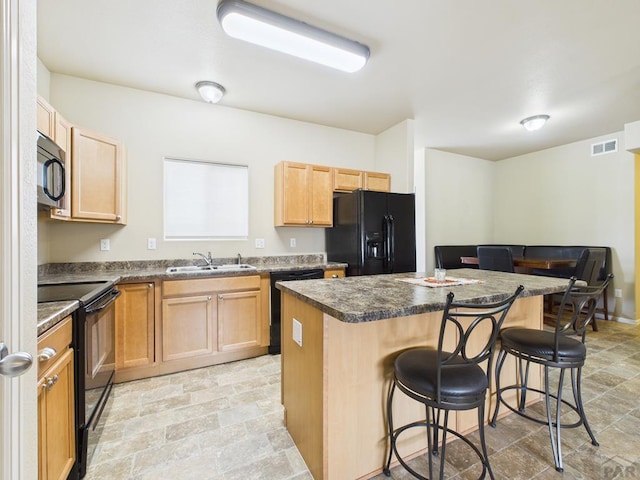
[104, 302]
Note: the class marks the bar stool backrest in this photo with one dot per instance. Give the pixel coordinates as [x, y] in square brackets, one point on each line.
[475, 337]
[577, 308]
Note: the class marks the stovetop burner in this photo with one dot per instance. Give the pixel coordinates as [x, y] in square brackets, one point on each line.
[85, 292]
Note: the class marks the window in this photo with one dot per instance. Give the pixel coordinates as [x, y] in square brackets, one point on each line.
[205, 200]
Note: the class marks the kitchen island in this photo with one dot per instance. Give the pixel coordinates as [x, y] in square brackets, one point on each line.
[339, 341]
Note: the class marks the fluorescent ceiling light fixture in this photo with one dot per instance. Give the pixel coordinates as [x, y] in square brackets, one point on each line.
[534, 123]
[211, 92]
[260, 26]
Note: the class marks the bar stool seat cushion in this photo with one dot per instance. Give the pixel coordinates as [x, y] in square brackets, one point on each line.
[541, 344]
[416, 369]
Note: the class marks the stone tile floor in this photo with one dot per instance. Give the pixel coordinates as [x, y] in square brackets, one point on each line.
[226, 422]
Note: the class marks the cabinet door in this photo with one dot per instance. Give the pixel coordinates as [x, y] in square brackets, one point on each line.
[135, 325]
[379, 182]
[97, 177]
[45, 117]
[188, 327]
[321, 196]
[345, 180]
[295, 194]
[239, 320]
[56, 422]
[303, 195]
[62, 137]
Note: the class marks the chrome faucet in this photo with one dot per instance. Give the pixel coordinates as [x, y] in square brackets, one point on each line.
[207, 258]
[239, 259]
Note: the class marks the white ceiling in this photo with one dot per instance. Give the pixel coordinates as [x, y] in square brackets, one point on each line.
[467, 71]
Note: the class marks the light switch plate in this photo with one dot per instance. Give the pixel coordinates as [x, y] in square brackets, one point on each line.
[297, 332]
[292, 242]
[105, 245]
[259, 242]
[151, 243]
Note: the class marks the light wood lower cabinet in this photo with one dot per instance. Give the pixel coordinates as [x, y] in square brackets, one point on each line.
[173, 325]
[135, 325]
[239, 320]
[56, 400]
[188, 327]
[334, 273]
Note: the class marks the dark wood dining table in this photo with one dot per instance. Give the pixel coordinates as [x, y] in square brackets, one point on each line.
[526, 265]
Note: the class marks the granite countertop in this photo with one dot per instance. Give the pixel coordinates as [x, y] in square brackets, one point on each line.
[376, 297]
[51, 313]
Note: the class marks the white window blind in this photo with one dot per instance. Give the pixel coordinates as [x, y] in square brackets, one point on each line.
[205, 200]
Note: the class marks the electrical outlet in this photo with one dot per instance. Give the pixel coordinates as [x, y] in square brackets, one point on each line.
[292, 242]
[618, 292]
[259, 242]
[151, 243]
[105, 245]
[297, 332]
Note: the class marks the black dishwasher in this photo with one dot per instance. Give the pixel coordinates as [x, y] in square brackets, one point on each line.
[276, 304]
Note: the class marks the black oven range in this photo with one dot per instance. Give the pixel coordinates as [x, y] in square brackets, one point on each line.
[94, 356]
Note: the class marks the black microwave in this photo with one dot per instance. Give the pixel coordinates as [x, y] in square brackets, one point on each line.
[51, 183]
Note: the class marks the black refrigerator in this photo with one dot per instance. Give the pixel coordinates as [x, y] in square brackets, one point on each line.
[373, 232]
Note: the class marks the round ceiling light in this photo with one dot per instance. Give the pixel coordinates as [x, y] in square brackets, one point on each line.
[211, 92]
[534, 123]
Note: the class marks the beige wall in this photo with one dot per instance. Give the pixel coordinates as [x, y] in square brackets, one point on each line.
[564, 196]
[458, 193]
[394, 154]
[152, 126]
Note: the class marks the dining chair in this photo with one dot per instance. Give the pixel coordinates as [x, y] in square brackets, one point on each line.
[499, 259]
[589, 269]
[449, 378]
[564, 348]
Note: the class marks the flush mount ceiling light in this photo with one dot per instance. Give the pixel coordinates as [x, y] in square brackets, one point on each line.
[534, 123]
[211, 92]
[260, 26]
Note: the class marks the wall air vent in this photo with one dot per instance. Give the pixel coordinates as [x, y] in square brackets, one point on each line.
[608, 146]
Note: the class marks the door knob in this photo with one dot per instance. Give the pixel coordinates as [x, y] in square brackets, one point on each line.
[13, 364]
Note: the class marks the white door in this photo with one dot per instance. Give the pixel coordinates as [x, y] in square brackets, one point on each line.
[18, 236]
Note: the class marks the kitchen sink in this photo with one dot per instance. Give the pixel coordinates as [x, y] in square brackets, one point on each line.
[231, 267]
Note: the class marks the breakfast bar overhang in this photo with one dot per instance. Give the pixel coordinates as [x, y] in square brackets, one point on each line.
[339, 341]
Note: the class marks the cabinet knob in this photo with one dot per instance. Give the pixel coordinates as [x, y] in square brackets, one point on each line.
[47, 353]
[51, 381]
[118, 218]
[208, 298]
[334, 276]
[150, 285]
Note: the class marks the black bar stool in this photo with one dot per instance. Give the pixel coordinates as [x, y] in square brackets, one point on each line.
[563, 348]
[449, 377]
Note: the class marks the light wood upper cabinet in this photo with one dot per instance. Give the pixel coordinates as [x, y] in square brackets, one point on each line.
[56, 404]
[62, 136]
[345, 180]
[380, 182]
[135, 325]
[97, 178]
[45, 117]
[303, 195]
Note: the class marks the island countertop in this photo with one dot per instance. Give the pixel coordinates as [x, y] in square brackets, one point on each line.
[378, 297]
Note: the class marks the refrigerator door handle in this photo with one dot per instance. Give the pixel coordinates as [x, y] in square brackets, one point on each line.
[388, 244]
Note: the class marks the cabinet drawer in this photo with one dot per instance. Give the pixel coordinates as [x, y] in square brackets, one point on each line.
[207, 285]
[58, 338]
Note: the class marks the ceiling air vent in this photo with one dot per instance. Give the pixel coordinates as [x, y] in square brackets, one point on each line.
[608, 146]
